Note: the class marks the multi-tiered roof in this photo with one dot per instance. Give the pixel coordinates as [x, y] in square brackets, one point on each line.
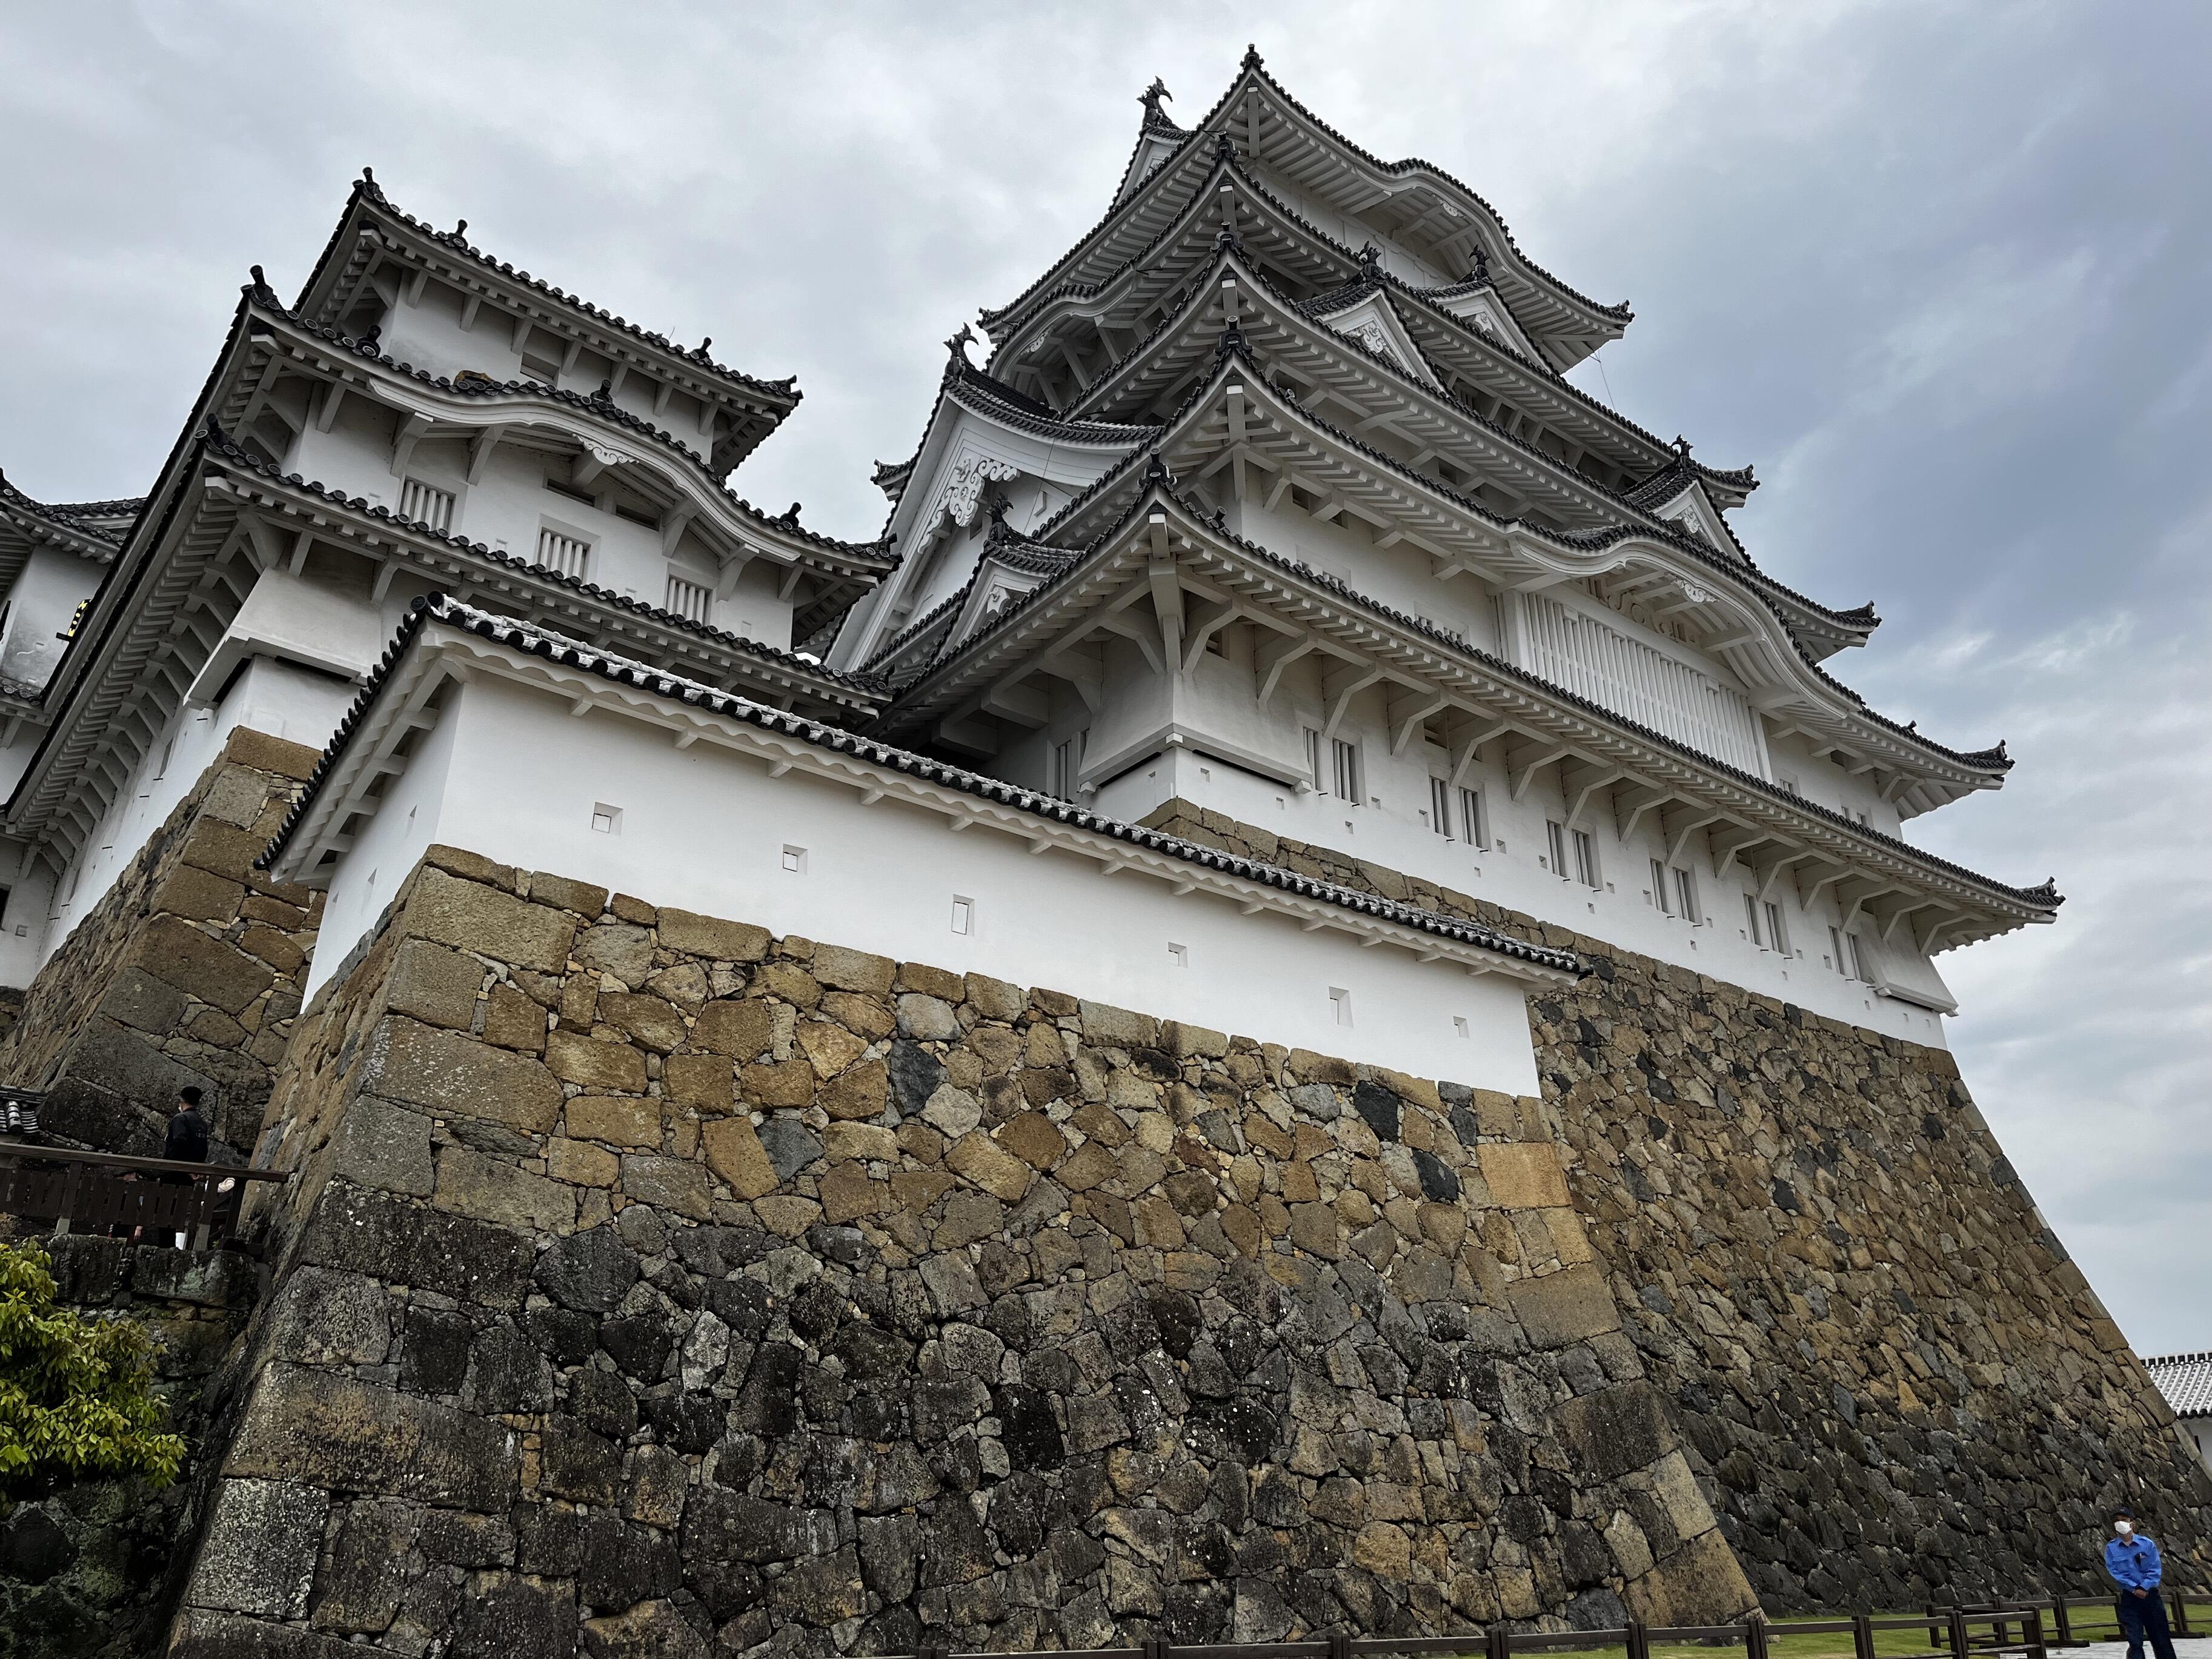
[1268, 313]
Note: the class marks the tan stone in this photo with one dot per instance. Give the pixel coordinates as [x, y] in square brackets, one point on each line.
[223, 849]
[1523, 1175]
[624, 1120]
[179, 954]
[915, 1190]
[859, 1140]
[1099, 1122]
[580, 1163]
[1092, 1165]
[930, 982]
[830, 1048]
[579, 1004]
[1384, 1549]
[777, 1083]
[454, 1075]
[786, 1217]
[474, 917]
[650, 1021]
[260, 939]
[264, 753]
[847, 1194]
[863, 1092]
[1193, 1042]
[864, 1015]
[1243, 1229]
[630, 908]
[789, 982]
[1557, 1308]
[708, 936]
[472, 1184]
[842, 969]
[199, 895]
[1031, 1137]
[740, 1030]
[1158, 1226]
[994, 999]
[581, 897]
[1315, 1230]
[434, 983]
[513, 1021]
[704, 1081]
[978, 1158]
[733, 1151]
[591, 1064]
[1108, 1027]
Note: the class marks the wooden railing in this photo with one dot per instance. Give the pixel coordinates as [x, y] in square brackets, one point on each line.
[95, 1192]
[2029, 1628]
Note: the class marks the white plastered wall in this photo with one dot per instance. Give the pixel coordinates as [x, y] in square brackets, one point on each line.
[521, 779]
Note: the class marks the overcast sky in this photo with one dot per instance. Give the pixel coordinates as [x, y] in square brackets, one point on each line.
[1939, 270]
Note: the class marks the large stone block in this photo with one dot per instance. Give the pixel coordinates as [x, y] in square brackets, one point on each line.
[471, 1183]
[176, 953]
[260, 1550]
[1523, 1174]
[378, 1144]
[1616, 1431]
[451, 1074]
[709, 936]
[434, 983]
[1570, 1305]
[734, 1152]
[471, 916]
[323, 1317]
[386, 1236]
[318, 1428]
[590, 1064]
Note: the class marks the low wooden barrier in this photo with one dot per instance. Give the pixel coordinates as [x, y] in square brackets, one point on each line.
[96, 1192]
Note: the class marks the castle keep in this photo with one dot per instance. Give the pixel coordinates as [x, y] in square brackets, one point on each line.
[1297, 1004]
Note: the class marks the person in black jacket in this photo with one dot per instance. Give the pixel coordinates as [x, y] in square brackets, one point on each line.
[186, 1141]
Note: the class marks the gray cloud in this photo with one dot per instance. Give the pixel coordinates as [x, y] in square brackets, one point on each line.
[1937, 270]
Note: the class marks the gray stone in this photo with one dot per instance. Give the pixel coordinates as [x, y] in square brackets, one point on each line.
[262, 1544]
[789, 1144]
[347, 1435]
[388, 1237]
[916, 1074]
[323, 1317]
[383, 1145]
[590, 1271]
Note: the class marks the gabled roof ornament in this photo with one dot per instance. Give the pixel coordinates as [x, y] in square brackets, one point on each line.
[1681, 445]
[790, 516]
[1226, 240]
[1252, 59]
[1232, 340]
[1156, 474]
[1224, 147]
[955, 350]
[259, 289]
[1371, 263]
[1152, 96]
[1481, 271]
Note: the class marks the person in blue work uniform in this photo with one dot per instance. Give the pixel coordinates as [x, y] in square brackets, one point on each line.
[2131, 1558]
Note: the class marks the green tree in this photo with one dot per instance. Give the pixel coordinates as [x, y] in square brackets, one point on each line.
[75, 1394]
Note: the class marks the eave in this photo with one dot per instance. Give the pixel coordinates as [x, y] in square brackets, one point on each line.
[1486, 706]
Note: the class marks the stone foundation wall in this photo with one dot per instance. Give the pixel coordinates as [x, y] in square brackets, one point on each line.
[92, 1572]
[655, 1283]
[1895, 1384]
[187, 971]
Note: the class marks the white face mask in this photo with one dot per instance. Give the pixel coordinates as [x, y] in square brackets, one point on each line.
[2123, 1527]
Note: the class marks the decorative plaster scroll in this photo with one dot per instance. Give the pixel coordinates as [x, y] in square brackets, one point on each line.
[963, 490]
[1370, 334]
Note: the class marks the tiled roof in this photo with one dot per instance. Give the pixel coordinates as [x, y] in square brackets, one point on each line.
[2045, 895]
[571, 653]
[73, 516]
[784, 392]
[1252, 66]
[220, 442]
[876, 552]
[1592, 540]
[2186, 1380]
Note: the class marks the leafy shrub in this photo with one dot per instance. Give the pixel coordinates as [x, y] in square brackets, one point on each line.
[75, 1393]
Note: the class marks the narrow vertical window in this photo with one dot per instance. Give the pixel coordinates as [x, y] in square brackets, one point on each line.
[1178, 955]
[1340, 1000]
[1557, 834]
[1659, 898]
[425, 504]
[1778, 936]
[1686, 896]
[1586, 859]
[964, 914]
[688, 600]
[1751, 921]
[1440, 807]
[1313, 758]
[1066, 767]
[1843, 963]
[1346, 758]
[1472, 823]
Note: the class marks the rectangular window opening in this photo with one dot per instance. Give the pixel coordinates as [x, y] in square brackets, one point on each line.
[1586, 871]
[1686, 896]
[1066, 767]
[541, 370]
[1459, 1026]
[1751, 927]
[1346, 758]
[574, 492]
[1661, 901]
[1440, 819]
[1556, 833]
[425, 504]
[1777, 935]
[964, 914]
[562, 553]
[1313, 757]
[1178, 955]
[644, 516]
[688, 600]
[605, 819]
[1474, 822]
[795, 861]
[1340, 1000]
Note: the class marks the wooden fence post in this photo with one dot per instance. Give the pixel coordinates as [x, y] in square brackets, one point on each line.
[1861, 1636]
[1956, 1627]
[1497, 1642]
[2032, 1631]
[2181, 1612]
[1754, 1636]
[2058, 1617]
[1639, 1640]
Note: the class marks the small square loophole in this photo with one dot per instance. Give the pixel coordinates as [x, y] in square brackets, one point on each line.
[606, 820]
